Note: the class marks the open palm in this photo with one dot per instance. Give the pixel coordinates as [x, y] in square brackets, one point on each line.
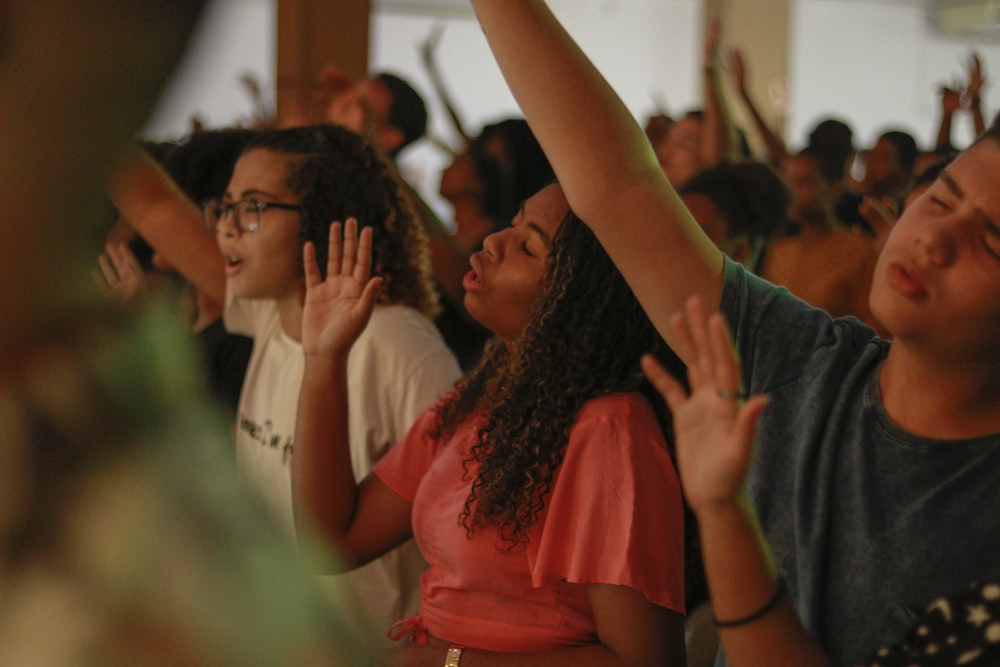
[713, 427]
[338, 308]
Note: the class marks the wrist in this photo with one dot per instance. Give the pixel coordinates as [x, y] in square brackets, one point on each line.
[331, 361]
[721, 510]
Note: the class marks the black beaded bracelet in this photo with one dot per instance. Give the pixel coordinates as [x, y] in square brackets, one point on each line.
[768, 607]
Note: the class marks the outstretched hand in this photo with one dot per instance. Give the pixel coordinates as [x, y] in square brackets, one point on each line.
[120, 275]
[713, 426]
[338, 308]
[713, 38]
[342, 102]
[737, 70]
[951, 98]
[429, 46]
[977, 79]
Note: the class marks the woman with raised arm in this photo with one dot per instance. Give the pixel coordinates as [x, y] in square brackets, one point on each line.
[609, 173]
[869, 448]
[285, 188]
[540, 490]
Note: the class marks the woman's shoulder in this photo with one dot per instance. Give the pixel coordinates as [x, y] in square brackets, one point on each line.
[405, 332]
[401, 322]
[250, 317]
[623, 405]
[626, 417]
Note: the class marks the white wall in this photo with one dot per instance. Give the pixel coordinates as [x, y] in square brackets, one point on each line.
[872, 62]
[644, 47]
[876, 63]
[235, 37]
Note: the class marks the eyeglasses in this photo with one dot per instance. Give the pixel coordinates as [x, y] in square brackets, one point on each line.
[247, 213]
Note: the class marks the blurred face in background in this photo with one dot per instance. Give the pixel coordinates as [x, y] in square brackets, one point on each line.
[810, 199]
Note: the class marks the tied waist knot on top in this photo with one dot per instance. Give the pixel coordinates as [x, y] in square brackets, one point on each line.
[412, 628]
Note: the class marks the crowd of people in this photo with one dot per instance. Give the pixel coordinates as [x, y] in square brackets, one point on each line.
[647, 399]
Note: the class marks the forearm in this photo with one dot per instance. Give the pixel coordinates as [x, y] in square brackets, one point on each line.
[171, 223]
[594, 144]
[324, 491]
[943, 141]
[741, 580]
[776, 149]
[603, 160]
[437, 81]
[718, 142]
[978, 122]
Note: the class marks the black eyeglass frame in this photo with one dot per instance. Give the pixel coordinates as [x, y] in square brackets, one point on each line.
[215, 209]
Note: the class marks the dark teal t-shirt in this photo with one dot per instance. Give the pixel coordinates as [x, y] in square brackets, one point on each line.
[866, 521]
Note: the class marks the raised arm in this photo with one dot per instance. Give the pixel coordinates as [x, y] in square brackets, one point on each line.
[775, 145]
[951, 101]
[974, 91]
[171, 223]
[714, 436]
[718, 140]
[427, 55]
[359, 521]
[602, 159]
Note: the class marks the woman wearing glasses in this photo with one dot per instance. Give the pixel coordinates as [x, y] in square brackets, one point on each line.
[285, 190]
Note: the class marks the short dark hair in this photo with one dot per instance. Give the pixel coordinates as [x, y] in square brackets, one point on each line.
[751, 197]
[511, 164]
[202, 163]
[906, 148]
[832, 142]
[931, 173]
[407, 111]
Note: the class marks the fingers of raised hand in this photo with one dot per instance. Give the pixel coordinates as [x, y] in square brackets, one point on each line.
[349, 254]
[671, 390]
[725, 369]
[362, 266]
[703, 341]
[975, 67]
[736, 65]
[124, 261]
[746, 419]
[697, 323]
[335, 249]
[309, 267]
[685, 348]
[107, 268]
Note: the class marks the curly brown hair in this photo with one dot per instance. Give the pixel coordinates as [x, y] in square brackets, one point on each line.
[337, 175]
[584, 337]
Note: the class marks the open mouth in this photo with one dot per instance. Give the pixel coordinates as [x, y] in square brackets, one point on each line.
[906, 282]
[472, 282]
[232, 263]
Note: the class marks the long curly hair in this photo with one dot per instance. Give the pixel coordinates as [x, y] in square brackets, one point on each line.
[337, 175]
[583, 339]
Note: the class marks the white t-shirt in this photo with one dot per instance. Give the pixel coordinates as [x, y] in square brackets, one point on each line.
[397, 368]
